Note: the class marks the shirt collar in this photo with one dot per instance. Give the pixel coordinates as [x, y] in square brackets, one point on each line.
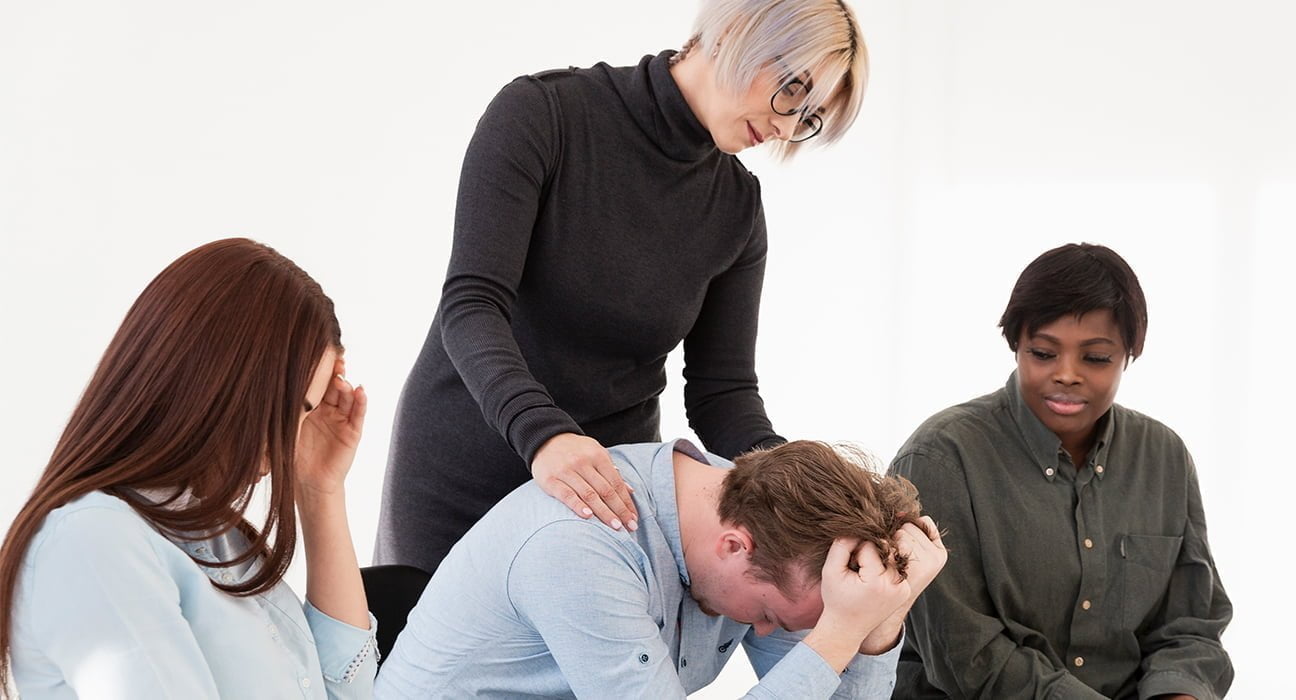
[659, 108]
[663, 493]
[1044, 444]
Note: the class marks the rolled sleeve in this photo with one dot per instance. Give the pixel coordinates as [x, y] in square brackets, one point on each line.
[348, 655]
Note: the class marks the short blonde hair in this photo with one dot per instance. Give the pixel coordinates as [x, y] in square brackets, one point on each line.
[746, 36]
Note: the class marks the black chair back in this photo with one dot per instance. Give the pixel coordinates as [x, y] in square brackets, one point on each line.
[392, 591]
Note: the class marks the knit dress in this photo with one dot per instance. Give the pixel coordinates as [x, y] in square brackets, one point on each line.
[597, 226]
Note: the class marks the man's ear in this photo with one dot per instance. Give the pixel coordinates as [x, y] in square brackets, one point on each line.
[734, 542]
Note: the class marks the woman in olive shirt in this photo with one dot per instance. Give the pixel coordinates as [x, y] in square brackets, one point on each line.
[1079, 565]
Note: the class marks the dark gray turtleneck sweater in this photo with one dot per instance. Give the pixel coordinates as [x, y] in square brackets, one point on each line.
[597, 227]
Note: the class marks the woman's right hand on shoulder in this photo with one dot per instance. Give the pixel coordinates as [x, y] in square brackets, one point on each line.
[578, 471]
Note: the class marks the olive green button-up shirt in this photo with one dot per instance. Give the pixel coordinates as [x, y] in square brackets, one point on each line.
[1061, 582]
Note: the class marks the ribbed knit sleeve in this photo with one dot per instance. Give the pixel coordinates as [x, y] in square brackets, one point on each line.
[721, 395]
[500, 189]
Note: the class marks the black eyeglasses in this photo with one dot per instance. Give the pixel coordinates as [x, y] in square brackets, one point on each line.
[789, 100]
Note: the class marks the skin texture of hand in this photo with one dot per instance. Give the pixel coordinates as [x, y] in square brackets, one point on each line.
[927, 557]
[327, 440]
[578, 471]
[855, 602]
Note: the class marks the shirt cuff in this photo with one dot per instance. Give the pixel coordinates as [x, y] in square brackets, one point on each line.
[872, 676]
[1174, 682]
[345, 651]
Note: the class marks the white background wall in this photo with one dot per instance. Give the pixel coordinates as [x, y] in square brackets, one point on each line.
[133, 131]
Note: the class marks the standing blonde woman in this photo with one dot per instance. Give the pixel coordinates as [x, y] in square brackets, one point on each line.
[602, 219]
[131, 571]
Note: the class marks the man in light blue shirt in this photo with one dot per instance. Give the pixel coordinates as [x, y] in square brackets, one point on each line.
[535, 600]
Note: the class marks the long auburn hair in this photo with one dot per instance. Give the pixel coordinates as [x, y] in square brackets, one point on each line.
[200, 389]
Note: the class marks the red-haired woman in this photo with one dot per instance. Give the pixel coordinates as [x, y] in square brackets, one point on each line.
[131, 571]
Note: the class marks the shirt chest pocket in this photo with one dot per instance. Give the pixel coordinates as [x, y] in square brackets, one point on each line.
[1146, 564]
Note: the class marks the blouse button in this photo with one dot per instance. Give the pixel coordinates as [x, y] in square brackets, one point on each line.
[305, 682]
[683, 662]
[1088, 543]
[1099, 469]
[1086, 605]
[1079, 661]
[1048, 472]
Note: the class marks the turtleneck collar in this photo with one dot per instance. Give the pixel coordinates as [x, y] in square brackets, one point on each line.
[659, 108]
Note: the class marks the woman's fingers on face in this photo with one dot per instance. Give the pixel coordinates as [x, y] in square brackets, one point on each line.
[345, 395]
[330, 397]
[358, 409]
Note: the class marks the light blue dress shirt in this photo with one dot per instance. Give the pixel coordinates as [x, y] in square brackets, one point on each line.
[109, 608]
[535, 601]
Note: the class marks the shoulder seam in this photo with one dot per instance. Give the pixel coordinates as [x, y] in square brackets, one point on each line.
[508, 592]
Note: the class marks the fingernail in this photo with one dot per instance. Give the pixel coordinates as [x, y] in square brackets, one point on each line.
[586, 512]
[634, 525]
[616, 524]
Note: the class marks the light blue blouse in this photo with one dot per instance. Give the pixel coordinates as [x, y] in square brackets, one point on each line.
[107, 607]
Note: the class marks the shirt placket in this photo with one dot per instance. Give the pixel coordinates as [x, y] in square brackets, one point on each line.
[697, 659]
[1086, 637]
[225, 575]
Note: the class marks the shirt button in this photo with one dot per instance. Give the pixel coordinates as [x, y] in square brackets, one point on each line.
[1079, 661]
[1088, 543]
[1048, 472]
[305, 682]
[683, 662]
[643, 658]
[1086, 605]
[274, 631]
[1099, 468]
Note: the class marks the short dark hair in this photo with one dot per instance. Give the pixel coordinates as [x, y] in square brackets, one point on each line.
[1075, 279]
